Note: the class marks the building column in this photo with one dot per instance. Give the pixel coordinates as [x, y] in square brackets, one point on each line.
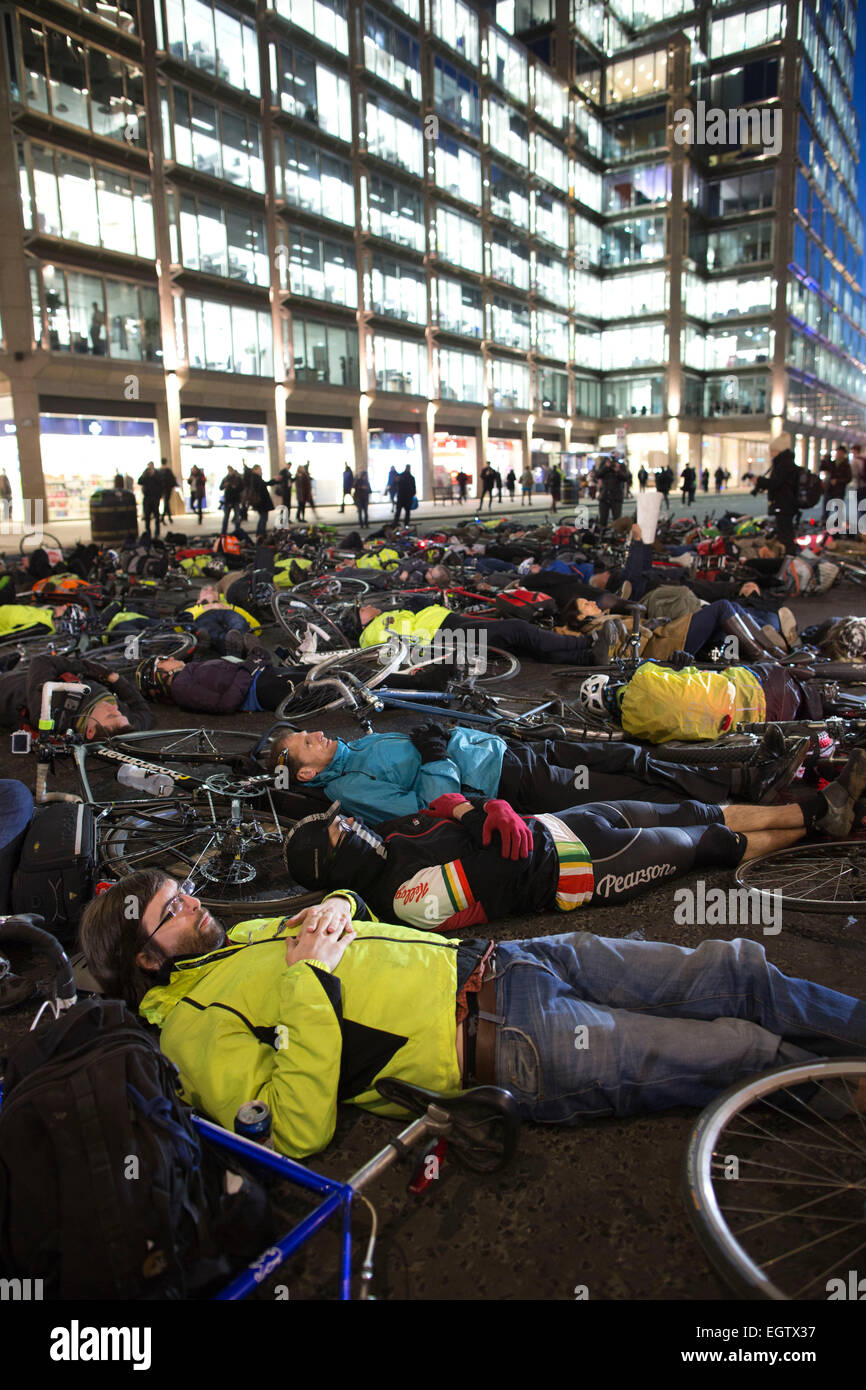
[361, 434]
[482, 435]
[679, 98]
[276, 425]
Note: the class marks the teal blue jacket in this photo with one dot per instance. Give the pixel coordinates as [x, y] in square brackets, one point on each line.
[382, 776]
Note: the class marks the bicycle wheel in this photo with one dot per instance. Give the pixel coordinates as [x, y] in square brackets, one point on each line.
[774, 1185]
[329, 586]
[126, 654]
[824, 878]
[728, 752]
[306, 627]
[235, 862]
[193, 746]
[39, 538]
[489, 667]
[371, 667]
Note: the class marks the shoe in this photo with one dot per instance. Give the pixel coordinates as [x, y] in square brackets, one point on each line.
[774, 638]
[788, 624]
[235, 643]
[625, 591]
[203, 643]
[762, 781]
[842, 796]
[772, 745]
[606, 641]
[13, 990]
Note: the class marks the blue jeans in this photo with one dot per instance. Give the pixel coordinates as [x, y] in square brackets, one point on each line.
[593, 1026]
[16, 813]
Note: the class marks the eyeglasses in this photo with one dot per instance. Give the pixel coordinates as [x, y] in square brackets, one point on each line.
[174, 906]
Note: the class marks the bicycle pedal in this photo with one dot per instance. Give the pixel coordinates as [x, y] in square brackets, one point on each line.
[428, 1168]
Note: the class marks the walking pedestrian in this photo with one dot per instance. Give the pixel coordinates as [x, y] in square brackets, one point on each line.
[362, 497]
[150, 483]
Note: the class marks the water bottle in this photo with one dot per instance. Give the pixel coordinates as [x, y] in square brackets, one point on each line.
[151, 783]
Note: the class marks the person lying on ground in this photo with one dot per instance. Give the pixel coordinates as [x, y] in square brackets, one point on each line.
[511, 634]
[462, 863]
[701, 631]
[385, 775]
[307, 1012]
[220, 686]
[111, 705]
[218, 625]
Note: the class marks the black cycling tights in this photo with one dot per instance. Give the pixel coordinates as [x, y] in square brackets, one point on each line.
[634, 845]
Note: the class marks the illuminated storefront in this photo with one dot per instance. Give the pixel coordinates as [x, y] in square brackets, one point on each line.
[212, 445]
[82, 453]
[326, 453]
[452, 454]
[505, 454]
[389, 449]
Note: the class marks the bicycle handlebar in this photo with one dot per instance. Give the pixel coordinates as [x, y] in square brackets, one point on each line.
[24, 931]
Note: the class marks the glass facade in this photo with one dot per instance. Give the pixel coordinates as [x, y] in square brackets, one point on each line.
[477, 230]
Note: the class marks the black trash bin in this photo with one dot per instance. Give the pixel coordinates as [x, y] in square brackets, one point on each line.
[569, 491]
[113, 516]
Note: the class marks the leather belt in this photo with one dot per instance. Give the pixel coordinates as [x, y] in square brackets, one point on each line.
[479, 1037]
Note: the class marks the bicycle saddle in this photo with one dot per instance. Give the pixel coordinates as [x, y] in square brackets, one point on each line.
[485, 1122]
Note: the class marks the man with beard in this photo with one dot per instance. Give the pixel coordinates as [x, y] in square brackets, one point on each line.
[304, 1013]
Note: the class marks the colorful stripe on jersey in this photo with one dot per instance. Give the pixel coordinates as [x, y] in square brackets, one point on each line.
[433, 895]
[576, 878]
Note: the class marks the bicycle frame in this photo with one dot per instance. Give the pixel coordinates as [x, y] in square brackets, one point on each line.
[336, 1197]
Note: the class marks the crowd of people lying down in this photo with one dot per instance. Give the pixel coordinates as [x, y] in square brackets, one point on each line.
[421, 841]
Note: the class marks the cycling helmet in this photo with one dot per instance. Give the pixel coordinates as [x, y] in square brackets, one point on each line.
[313, 862]
[152, 683]
[592, 693]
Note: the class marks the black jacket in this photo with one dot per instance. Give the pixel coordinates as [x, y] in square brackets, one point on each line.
[406, 488]
[611, 482]
[438, 874]
[783, 482]
[151, 486]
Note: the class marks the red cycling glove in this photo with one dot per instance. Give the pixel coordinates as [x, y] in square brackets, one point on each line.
[513, 831]
[445, 805]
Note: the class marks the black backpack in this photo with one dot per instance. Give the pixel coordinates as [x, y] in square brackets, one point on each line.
[56, 867]
[105, 1189]
[810, 489]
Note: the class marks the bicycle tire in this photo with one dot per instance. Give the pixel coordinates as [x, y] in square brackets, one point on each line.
[371, 665]
[118, 655]
[810, 866]
[330, 586]
[723, 1247]
[195, 746]
[292, 613]
[729, 753]
[44, 536]
[504, 666]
